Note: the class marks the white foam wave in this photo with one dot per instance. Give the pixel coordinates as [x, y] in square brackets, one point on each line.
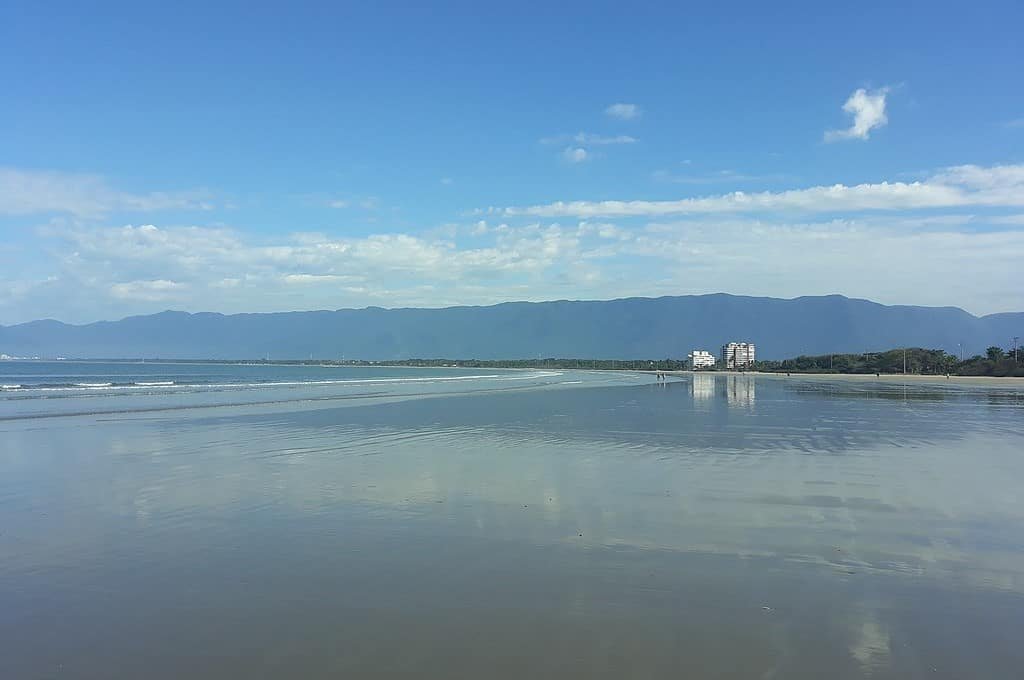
[171, 385]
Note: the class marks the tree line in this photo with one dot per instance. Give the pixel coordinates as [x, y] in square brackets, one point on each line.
[995, 362]
[916, 360]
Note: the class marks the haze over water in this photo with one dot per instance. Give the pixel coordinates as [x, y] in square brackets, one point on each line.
[325, 522]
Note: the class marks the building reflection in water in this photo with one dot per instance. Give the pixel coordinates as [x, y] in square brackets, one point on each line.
[740, 390]
[703, 387]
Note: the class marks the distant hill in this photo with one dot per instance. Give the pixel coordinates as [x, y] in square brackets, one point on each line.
[627, 328]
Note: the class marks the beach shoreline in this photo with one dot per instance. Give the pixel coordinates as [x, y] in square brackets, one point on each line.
[895, 378]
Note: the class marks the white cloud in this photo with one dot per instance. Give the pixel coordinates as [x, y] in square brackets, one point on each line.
[852, 257]
[1009, 178]
[961, 186]
[447, 181]
[868, 111]
[104, 272]
[575, 154]
[147, 291]
[315, 278]
[28, 192]
[1013, 220]
[368, 203]
[767, 243]
[1015, 123]
[603, 230]
[601, 140]
[174, 256]
[589, 139]
[623, 111]
[113, 271]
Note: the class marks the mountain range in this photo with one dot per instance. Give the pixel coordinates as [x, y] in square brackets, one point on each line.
[664, 327]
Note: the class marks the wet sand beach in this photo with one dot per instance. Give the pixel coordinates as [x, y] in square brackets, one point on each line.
[569, 524]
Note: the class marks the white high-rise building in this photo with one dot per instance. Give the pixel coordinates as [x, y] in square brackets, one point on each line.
[700, 358]
[738, 355]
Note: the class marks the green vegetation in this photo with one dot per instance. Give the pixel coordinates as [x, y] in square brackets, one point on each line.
[996, 362]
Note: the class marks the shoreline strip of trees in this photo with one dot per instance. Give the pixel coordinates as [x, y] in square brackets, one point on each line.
[914, 360]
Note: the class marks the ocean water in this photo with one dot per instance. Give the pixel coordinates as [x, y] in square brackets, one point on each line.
[262, 521]
[59, 388]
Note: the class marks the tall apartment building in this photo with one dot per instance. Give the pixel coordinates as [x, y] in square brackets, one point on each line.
[738, 355]
[700, 358]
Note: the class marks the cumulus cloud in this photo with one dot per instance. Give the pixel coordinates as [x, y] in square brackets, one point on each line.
[812, 240]
[849, 256]
[603, 230]
[575, 154]
[868, 111]
[623, 111]
[28, 192]
[960, 186]
[114, 271]
[205, 255]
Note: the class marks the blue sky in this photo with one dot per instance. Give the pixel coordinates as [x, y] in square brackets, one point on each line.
[308, 156]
